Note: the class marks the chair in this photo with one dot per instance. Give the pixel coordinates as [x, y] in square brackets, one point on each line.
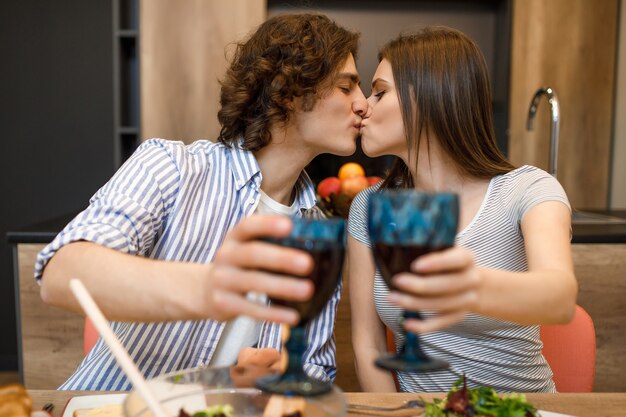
[90, 336]
[570, 350]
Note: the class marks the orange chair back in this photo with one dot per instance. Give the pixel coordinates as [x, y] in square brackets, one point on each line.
[570, 350]
[90, 336]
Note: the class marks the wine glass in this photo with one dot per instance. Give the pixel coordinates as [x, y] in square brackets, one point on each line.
[323, 239]
[403, 225]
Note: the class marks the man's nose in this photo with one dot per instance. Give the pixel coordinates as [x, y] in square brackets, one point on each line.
[360, 106]
[368, 112]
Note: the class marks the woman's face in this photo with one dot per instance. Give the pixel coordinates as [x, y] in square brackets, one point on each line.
[382, 129]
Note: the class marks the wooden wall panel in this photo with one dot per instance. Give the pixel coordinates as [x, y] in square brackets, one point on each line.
[52, 338]
[346, 372]
[601, 273]
[568, 45]
[182, 55]
[618, 177]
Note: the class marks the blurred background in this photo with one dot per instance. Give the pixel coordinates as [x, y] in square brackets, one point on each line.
[83, 82]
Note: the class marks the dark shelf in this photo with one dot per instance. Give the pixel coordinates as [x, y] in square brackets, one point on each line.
[126, 84]
[128, 34]
[128, 130]
[128, 14]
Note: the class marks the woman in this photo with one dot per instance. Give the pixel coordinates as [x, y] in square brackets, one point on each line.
[511, 268]
[171, 238]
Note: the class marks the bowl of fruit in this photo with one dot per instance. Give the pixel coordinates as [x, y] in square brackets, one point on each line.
[335, 194]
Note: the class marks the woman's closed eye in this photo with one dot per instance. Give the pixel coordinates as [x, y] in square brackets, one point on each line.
[379, 95]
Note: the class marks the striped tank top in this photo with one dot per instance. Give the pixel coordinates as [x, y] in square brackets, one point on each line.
[490, 352]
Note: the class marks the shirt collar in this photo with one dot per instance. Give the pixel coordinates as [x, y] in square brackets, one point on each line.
[245, 168]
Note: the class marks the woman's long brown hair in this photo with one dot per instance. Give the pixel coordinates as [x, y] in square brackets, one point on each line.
[443, 87]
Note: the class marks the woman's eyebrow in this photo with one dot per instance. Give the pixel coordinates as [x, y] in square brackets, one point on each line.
[378, 81]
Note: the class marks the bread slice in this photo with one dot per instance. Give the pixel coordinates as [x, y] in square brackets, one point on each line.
[15, 401]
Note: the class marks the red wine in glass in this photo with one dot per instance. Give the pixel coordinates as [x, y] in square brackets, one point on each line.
[328, 261]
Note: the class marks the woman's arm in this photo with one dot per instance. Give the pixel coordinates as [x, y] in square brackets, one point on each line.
[135, 288]
[368, 332]
[451, 283]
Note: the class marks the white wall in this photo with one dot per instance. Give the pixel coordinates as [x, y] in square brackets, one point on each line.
[618, 185]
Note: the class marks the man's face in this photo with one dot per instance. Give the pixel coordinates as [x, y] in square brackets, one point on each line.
[333, 124]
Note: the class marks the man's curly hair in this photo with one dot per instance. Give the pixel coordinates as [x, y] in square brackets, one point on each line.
[288, 56]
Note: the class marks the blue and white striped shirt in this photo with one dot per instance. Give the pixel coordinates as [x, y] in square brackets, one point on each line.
[177, 202]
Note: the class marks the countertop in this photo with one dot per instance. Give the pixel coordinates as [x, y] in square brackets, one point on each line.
[45, 231]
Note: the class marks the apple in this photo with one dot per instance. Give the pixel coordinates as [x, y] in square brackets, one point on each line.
[353, 185]
[328, 186]
[373, 180]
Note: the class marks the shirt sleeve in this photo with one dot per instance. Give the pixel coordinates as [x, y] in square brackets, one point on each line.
[535, 187]
[128, 212]
[320, 361]
[357, 220]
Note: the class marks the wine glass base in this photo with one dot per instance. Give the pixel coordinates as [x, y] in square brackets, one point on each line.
[400, 363]
[302, 386]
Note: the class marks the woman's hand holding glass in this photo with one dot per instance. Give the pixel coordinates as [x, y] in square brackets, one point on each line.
[446, 282]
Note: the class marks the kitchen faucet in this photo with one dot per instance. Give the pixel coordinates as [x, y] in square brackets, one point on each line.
[554, 124]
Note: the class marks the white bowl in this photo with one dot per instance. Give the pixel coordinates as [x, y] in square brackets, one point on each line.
[199, 388]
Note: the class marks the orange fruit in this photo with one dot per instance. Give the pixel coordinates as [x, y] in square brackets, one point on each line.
[353, 185]
[351, 169]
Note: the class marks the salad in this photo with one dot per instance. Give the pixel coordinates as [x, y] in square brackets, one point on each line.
[475, 402]
[214, 411]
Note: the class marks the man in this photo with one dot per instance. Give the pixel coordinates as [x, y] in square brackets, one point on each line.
[171, 237]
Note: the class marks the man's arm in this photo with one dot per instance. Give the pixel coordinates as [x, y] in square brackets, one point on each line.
[134, 288]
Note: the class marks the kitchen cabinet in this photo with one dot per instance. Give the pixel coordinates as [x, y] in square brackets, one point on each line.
[569, 45]
[182, 56]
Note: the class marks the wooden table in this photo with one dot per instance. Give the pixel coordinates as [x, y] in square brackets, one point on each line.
[580, 405]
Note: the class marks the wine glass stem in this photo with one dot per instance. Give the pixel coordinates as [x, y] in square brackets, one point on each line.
[412, 350]
[295, 348]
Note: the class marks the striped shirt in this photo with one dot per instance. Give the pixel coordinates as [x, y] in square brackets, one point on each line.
[176, 202]
[495, 353]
